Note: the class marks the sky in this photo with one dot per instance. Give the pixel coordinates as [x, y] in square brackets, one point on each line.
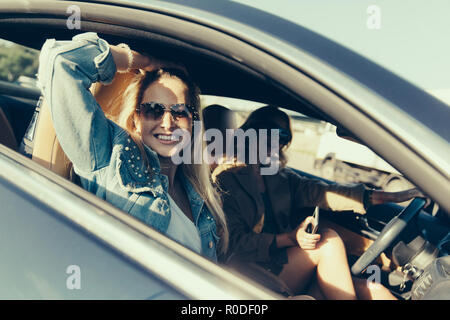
[410, 38]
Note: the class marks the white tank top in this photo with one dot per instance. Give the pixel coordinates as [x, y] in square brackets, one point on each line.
[182, 229]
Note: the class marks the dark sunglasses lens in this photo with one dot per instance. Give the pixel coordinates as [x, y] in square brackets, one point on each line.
[152, 110]
[179, 111]
[285, 137]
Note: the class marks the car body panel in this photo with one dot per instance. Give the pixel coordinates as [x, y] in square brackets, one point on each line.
[40, 252]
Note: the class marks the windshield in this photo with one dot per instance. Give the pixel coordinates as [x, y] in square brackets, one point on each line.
[409, 38]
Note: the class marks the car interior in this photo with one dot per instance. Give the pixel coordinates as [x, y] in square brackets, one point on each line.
[26, 127]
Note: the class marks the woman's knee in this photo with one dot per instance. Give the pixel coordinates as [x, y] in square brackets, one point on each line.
[329, 235]
[330, 242]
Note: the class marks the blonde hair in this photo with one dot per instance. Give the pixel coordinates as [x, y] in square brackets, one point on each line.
[122, 110]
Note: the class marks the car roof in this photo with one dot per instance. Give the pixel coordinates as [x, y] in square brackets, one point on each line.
[229, 17]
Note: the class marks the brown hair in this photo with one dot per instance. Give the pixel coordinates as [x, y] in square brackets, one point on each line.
[270, 115]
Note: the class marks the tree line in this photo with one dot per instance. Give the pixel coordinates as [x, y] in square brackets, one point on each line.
[16, 60]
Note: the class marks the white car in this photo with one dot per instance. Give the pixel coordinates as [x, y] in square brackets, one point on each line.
[345, 160]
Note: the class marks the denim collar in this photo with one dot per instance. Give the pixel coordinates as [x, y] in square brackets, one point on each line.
[136, 178]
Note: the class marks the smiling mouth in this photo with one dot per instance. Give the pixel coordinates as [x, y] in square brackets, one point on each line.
[167, 138]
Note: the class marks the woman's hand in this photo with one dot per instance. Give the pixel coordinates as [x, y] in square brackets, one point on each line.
[140, 61]
[305, 240]
[153, 63]
[380, 197]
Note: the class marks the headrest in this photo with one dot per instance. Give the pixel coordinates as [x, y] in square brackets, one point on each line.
[219, 117]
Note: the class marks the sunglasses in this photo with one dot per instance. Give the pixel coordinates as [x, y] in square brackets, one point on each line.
[155, 110]
[283, 135]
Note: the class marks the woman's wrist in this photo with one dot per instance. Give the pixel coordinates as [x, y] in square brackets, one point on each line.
[286, 239]
[130, 57]
[120, 57]
[127, 59]
[380, 197]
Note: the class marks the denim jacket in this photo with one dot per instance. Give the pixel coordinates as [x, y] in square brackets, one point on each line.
[103, 154]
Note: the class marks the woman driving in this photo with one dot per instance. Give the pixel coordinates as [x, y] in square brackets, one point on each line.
[267, 216]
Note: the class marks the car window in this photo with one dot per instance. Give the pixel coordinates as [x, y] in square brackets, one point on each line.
[317, 149]
[18, 67]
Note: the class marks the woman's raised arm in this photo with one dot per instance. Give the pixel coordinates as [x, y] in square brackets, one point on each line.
[66, 71]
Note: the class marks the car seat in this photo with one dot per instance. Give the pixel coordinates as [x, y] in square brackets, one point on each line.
[47, 151]
[219, 117]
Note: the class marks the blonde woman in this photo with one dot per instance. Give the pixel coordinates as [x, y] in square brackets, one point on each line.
[127, 162]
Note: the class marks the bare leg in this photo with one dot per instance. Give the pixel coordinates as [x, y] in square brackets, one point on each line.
[364, 290]
[328, 260]
[371, 290]
[315, 292]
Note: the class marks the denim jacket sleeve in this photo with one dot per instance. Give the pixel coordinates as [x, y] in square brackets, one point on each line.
[66, 71]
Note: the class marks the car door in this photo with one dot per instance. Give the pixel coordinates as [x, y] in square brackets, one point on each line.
[248, 60]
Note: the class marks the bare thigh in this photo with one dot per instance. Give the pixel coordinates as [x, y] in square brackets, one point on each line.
[299, 272]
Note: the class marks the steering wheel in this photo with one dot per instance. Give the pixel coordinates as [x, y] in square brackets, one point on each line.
[387, 236]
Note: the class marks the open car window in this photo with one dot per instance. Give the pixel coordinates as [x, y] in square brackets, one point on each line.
[317, 149]
[320, 149]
